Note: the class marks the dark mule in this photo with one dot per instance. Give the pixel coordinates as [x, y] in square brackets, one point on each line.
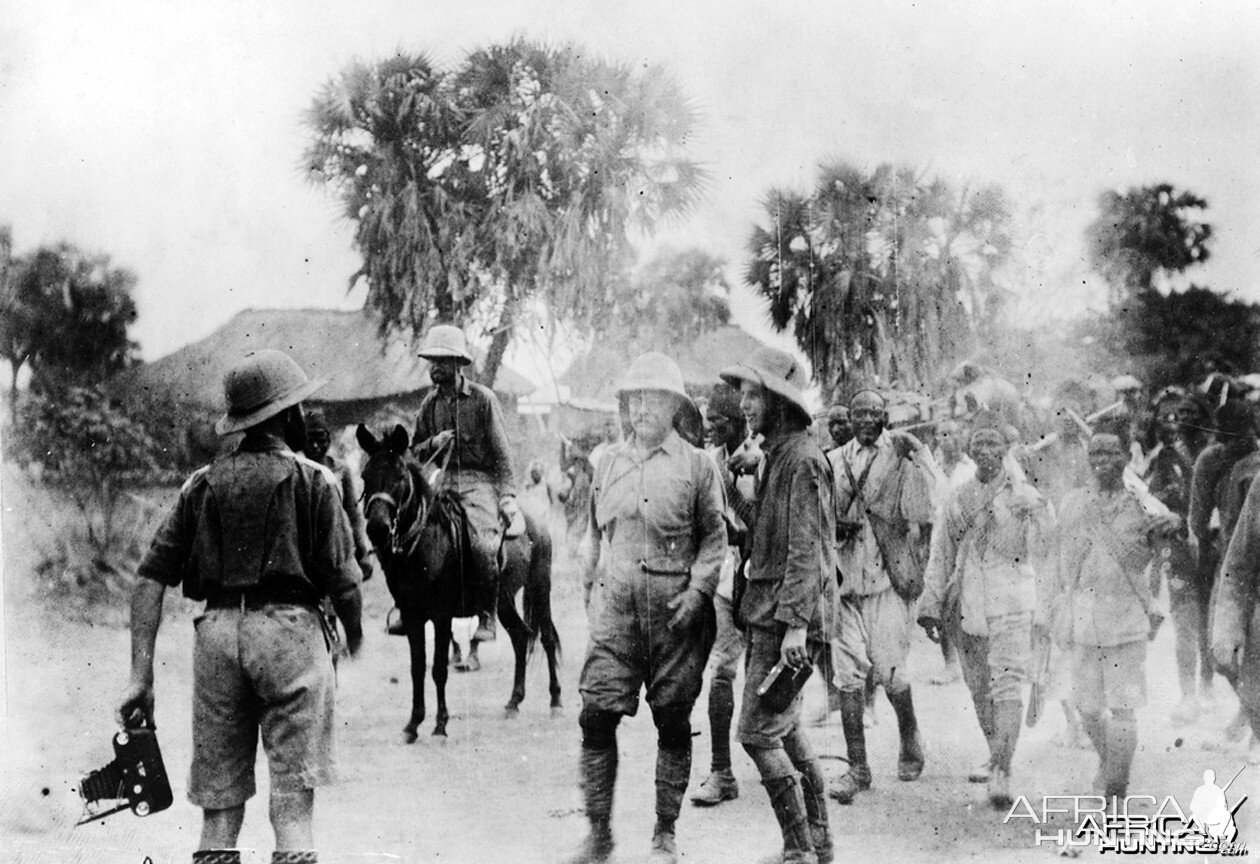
[421, 536]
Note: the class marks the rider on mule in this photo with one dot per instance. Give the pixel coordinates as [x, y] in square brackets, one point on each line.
[466, 418]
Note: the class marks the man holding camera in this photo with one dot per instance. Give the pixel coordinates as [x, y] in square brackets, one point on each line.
[788, 598]
[260, 535]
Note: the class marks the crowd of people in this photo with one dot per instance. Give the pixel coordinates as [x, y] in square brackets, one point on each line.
[732, 535]
[1043, 561]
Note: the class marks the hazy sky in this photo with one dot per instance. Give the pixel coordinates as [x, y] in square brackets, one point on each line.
[168, 133]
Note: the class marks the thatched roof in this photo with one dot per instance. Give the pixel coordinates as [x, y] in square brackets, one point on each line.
[596, 374]
[342, 347]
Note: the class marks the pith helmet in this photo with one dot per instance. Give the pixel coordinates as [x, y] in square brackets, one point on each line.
[259, 387]
[445, 340]
[654, 371]
[775, 370]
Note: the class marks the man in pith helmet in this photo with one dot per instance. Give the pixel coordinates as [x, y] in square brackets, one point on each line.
[260, 535]
[460, 426]
[787, 605]
[656, 508]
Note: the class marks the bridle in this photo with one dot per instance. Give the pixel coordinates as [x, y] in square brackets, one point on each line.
[405, 544]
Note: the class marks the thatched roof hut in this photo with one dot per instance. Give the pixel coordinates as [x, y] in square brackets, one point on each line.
[367, 377]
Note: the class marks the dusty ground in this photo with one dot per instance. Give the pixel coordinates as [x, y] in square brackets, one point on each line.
[504, 790]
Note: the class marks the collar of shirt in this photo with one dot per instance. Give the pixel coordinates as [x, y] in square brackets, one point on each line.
[268, 444]
[672, 445]
[856, 448]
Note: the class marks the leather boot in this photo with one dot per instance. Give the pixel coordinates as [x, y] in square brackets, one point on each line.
[1121, 745]
[598, 768]
[788, 804]
[1096, 729]
[858, 777]
[1007, 715]
[664, 847]
[673, 767]
[814, 791]
[910, 760]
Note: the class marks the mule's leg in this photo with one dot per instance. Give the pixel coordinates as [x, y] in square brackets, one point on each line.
[441, 650]
[519, 634]
[471, 663]
[551, 645]
[415, 641]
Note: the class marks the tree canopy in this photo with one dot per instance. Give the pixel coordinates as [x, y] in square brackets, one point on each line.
[66, 314]
[1145, 232]
[884, 277]
[522, 172]
[674, 298]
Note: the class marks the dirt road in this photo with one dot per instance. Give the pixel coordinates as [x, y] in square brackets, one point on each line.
[504, 790]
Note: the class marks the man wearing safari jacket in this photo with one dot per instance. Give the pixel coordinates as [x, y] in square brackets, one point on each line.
[789, 596]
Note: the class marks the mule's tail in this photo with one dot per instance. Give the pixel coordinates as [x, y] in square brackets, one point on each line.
[536, 596]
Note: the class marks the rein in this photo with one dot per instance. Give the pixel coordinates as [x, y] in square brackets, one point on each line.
[406, 544]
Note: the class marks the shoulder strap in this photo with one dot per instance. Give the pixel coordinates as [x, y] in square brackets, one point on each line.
[857, 484]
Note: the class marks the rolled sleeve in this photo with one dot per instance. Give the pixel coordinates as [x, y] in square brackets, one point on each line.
[173, 544]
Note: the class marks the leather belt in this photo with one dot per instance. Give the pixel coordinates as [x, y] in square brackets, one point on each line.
[257, 597]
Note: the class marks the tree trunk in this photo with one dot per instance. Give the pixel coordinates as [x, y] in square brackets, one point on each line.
[499, 342]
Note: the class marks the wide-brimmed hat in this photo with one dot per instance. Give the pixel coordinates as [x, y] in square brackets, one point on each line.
[775, 370]
[443, 341]
[259, 387]
[654, 371]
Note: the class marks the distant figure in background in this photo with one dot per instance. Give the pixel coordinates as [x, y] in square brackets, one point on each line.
[318, 440]
[1223, 474]
[1173, 446]
[839, 426]
[727, 436]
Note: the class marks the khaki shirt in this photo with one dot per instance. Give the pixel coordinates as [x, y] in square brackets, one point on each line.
[659, 512]
[264, 518]
[982, 553]
[895, 488]
[1103, 554]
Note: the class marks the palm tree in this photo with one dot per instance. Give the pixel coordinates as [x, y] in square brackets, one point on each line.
[524, 172]
[884, 277]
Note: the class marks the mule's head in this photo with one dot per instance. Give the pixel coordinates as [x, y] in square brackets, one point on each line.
[388, 486]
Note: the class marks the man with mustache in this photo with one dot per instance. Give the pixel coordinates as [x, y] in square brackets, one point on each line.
[460, 425]
[656, 526]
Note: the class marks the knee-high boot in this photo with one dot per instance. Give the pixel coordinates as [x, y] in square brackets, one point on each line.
[1121, 745]
[1007, 715]
[910, 760]
[858, 777]
[598, 768]
[789, 809]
